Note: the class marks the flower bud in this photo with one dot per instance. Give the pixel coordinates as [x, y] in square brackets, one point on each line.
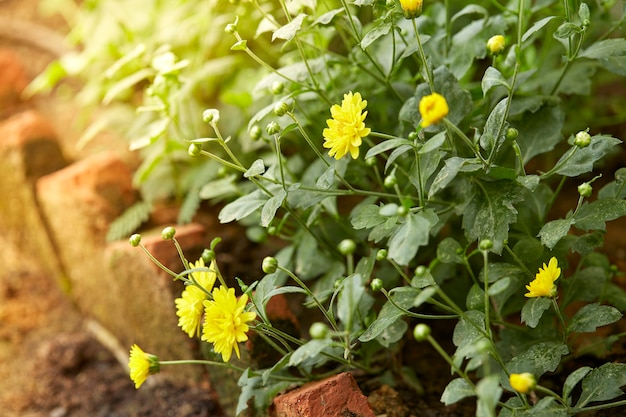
[273, 128]
[371, 161]
[281, 108]
[277, 87]
[411, 8]
[381, 255]
[270, 264]
[168, 233]
[496, 44]
[208, 256]
[403, 211]
[413, 135]
[318, 330]
[135, 240]
[485, 245]
[390, 181]
[582, 139]
[523, 383]
[255, 132]
[585, 189]
[230, 28]
[421, 271]
[194, 149]
[421, 332]
[512, 133]
[346, 247]
[211, 116]
[376, 284]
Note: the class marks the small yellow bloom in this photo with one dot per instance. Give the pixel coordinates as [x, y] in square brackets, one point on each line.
[189, 307]
[433, 108]
[225, 321]
[496, 44]
[523, 383]
[543, 284]
[411, 8]
[347, 127]
[141, 365]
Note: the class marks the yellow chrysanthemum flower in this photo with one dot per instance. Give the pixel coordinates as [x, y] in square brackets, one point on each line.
[347, 127]
[496, 44]
[543, 284]
[225, 321]
[433, 108]
[411, 8]
[523, 383]
[189, 307]
[141, 365]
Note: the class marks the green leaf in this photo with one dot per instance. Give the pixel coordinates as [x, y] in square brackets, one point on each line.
[126, 83]
[451, 169]
[352, 289]
[242, 207]
[533, 310]
[493, 134]
[603, 384]
[327, 17]
[583, 12]
[585, 285]
[257, 168]
[538, 359]
[536, 27]
[271, 206]
[539, 131]
[389, 313]
[288, 32]
[567, 29]
[382, 28]
[433, 143]
[583, 159]
[488, 391]
[129, 221]
[255, 393]
[308, 350]
[367, 216]
[466, 331]
[554, 231]
[456, 390]
[490, 211]
[450, 251]
[605, 48]
[387, 145]
[572, 380]
[592, 316]
[493, 78]
[594, 215]
[412, 234]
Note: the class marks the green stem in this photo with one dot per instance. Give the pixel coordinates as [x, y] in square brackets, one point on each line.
[417, 315]
[557, 310]
[422, 54]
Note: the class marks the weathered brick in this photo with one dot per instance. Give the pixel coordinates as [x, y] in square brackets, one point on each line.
[28, 150]
[335, 396]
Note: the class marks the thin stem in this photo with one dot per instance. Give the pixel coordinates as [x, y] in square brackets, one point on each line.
[557, 310]
[422, 54]
[157, 262]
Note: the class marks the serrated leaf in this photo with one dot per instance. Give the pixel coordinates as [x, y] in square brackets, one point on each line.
[533, 310]
[539, 131]
[554, 231]
[605, 49]
[288, 31]
[585, 285]
[242, 207]
[603, 384]
[412, 234]
[493, 78]
[490, 211]
[592, 316]
[456, 390]
[538, 359]
[366, 216]
[583, 159]
[255, 393]
[594, 215]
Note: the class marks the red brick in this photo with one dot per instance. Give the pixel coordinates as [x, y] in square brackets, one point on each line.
[337, 396]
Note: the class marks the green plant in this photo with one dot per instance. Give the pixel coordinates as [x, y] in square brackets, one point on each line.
[451, 141]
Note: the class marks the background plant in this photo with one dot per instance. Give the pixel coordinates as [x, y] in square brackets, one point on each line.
[451, 220]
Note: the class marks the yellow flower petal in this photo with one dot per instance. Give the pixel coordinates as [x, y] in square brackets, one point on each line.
[433, 108]
[523, 383]
[141, 365]
[347, 127]
[543, 284]
[189, 307]
[225, 321]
